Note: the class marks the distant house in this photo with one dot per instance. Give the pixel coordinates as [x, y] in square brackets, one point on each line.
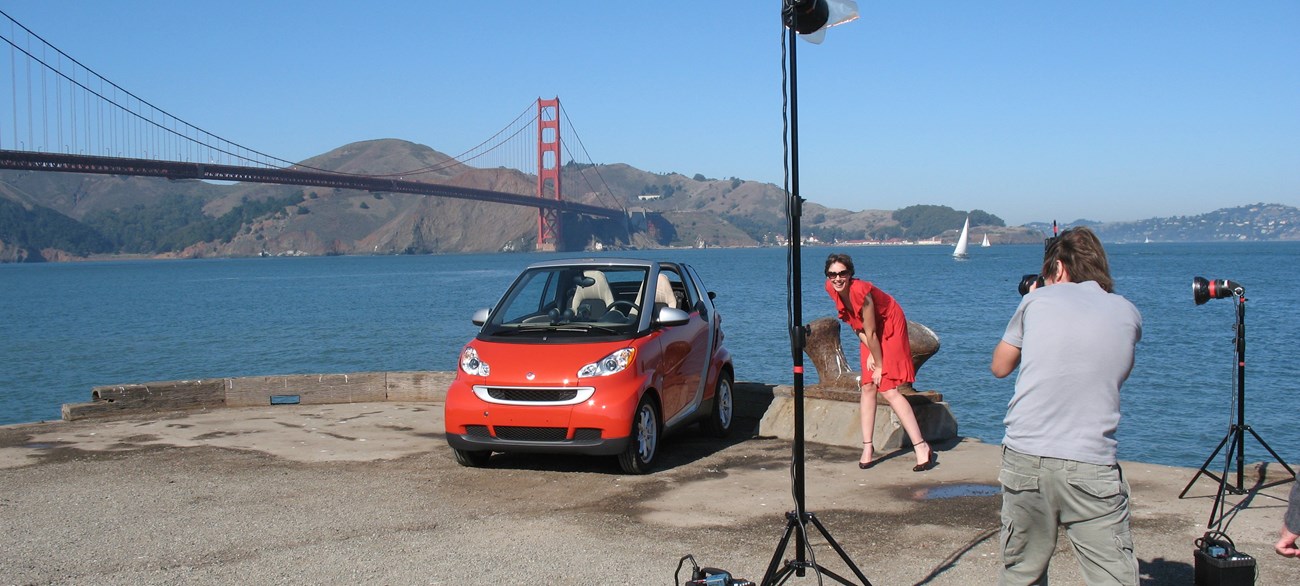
[649, 197]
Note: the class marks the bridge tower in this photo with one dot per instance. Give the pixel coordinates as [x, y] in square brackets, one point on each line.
[548, 173]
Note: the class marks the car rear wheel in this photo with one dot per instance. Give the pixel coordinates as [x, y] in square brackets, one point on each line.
[724, 408]
[644, 443]
[472, 459]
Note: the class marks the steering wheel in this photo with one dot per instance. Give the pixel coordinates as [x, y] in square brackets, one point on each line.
[631, 307]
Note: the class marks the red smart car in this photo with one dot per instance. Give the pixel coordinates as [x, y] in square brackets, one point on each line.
[593, 356]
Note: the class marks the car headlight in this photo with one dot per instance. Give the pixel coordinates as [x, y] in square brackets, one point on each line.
[608, 365]
[471, 365]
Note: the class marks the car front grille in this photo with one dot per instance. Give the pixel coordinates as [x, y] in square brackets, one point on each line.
[532, 395]
[532, 434]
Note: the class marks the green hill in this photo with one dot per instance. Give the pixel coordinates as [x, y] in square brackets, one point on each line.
[61, 216]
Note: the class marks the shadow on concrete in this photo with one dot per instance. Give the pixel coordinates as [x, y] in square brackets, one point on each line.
[1163, 571]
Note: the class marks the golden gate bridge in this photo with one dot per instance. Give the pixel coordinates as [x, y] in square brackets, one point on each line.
[64, 117]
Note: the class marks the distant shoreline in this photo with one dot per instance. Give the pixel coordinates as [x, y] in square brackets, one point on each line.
[611, 251]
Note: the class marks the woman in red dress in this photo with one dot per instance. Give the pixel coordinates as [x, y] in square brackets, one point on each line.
[886, 354]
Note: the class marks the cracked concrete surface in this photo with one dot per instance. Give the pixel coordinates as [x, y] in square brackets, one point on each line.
[369, 493]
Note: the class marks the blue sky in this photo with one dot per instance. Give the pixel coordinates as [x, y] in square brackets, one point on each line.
[1029, 110]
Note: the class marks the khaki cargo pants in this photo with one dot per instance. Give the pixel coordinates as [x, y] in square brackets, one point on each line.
[1089, 500]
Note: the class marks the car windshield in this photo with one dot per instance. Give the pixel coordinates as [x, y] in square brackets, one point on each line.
[571, 300]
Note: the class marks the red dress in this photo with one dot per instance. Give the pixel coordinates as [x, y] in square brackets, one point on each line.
[891, 327]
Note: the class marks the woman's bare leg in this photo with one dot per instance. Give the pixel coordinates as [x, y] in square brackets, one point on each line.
[867, 407]
[908, 418]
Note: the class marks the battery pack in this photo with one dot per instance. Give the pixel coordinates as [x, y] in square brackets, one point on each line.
[1235, 569]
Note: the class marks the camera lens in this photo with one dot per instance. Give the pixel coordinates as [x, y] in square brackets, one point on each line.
[1028, 281]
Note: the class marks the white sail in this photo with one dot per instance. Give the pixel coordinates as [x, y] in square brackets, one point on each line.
[960, 250]
[985, 244]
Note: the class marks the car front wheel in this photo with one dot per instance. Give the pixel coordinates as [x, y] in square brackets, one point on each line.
[644, 443]
[724, 408]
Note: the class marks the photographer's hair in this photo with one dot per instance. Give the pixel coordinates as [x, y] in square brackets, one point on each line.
[843, 259]
[1080, 251]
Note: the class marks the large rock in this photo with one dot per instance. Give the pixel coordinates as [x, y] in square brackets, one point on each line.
[832, 407]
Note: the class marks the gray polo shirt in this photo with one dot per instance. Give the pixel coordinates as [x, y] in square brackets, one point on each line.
[1076, 350]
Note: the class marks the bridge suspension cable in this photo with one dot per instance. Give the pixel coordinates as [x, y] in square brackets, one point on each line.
[607, 193]
[59, 107]
[101, 117]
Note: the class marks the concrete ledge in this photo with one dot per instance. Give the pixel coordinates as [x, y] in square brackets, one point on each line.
[309, 389]
[832, 416]
[258, 391]
[418, 386]
[155, 396]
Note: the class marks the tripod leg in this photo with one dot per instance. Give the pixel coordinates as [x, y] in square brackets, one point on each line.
[839, 550]
[1207, 463]
[1216, 511]
[1275, 457]
[771, 577]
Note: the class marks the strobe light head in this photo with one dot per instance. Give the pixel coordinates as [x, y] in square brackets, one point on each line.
[811, 18]
[1204, 290]
[805, 16]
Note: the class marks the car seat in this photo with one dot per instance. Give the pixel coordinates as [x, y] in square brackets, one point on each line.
[664, 296]
[591, 301]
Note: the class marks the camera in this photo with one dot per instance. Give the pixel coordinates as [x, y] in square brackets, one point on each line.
[1028, 281]
[1204, 290]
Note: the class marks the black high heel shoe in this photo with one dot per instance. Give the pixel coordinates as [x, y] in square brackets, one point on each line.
[865, 465]
[929, 463]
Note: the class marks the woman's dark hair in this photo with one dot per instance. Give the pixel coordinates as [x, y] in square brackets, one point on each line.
[1080, 251]
[842, 259]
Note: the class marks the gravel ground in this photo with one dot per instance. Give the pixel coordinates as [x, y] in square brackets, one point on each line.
[369, 494]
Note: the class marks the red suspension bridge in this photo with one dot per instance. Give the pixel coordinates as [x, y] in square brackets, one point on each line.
[64, 117]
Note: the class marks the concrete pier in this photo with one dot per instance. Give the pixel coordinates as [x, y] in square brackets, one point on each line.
[369, 493]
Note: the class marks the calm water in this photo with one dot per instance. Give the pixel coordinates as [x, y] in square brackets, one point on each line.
[65, 328]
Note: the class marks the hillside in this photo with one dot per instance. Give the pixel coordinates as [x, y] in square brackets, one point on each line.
[1259, 221]
[60, 216]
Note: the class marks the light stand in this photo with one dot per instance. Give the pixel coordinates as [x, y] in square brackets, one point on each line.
[1203, 290]
[798, 519]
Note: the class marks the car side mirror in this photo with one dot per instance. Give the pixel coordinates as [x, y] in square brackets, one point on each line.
[712, 296]
[671, 316]
[480, 317]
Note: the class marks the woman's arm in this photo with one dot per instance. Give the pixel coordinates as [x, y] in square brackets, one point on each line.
[870, 338]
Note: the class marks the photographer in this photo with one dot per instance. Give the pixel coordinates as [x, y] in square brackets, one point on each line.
[1073, 340]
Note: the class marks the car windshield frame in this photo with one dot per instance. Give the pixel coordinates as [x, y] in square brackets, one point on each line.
[577, 302]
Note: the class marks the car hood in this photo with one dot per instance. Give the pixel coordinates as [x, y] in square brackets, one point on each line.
[548, 364]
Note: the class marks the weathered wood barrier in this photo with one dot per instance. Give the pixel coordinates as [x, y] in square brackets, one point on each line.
[250, 391]
[832, 409]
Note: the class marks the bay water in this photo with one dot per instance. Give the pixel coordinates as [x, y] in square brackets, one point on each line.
[67, 327]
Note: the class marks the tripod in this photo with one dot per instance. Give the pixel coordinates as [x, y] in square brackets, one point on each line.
[1235, 438]
[798, 519]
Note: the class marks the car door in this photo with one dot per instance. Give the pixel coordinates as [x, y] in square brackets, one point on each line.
[685, 351]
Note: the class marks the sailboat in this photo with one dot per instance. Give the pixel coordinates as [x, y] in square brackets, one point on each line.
[985, 244]
[960, 250]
